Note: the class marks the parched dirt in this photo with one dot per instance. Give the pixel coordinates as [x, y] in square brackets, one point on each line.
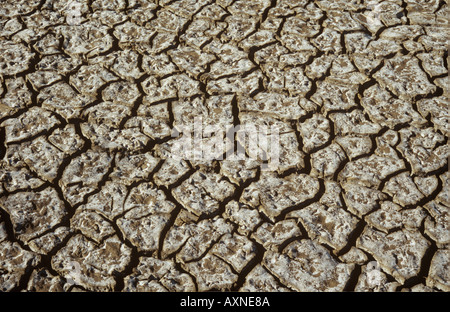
[91, 92]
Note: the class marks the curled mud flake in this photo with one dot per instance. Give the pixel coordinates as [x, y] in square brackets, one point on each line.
[399, 253]
[41, 79]
[126, 65]
[201, 31]
[326, 161]
[236, 250]
[202, 236]
[61, 63]
[315, 132]
[50, 241]
[438, 225]
[403, 190]
[42, 157]
[89, 78]
[144, 232]
[372, 170]
[354, 146]
[147, 213]
[42, 19]
[177, 237]
[211, 116]
[33, 213]
[123, 93]
[424, 149]
[287, 157]
[102, 5]
[32, 122]
[14, 58]
[319, 66]
[354, 255]
[239, 27]
[439, 275]
[108, 114]
[390, 217]
[236, 84]
[130, 34]
[109, 202]
[91, 265]
[15, 261]
[342, 21]
[259, 38]
[282, 106]
[340, 5]
[62, 99]
[66, 139]
[83, 175]
[402, 32]
[213, 273]
[404, 77]
[332, 195]
[307, 266]
[158, 65]
[260, 280]
[171, 171]
[329, 225]
[334, 96]
[373, 279]
[134, 285]
[444, 195]
[11, 8]
[433, 63]
[9, 26]
[133, 168]
[152, 274]
[41, 280]
[298, 26]
[354, 123]
[110, 18]
[270, 55]
[16, 96]
[168, 21]
[203, 192]
[361, 199]
[254, 8]
[91, 224]
[273, 195]
[328, 41]
[426, 185]
[90, 39]
[436, 108]
[344, 72]
[387, 110]
[271, 236]
[14, 179]
[191, 60]
[112, 139]
[245, 217]
[239, 171]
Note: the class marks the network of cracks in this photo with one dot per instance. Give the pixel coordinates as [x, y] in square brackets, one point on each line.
[92, 90]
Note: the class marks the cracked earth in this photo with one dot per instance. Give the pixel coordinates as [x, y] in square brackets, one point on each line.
[89, 96]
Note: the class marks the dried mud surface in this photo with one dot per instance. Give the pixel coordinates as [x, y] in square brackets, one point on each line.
[89, 96]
